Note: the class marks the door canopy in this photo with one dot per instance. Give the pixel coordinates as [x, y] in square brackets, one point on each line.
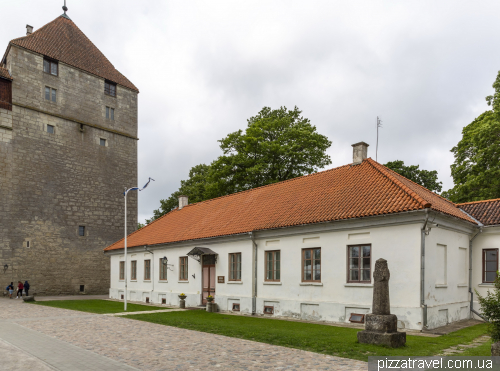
[197, 253]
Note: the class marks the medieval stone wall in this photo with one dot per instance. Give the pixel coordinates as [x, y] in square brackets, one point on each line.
[52, 183]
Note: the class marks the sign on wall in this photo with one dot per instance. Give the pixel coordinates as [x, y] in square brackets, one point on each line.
[220, 279]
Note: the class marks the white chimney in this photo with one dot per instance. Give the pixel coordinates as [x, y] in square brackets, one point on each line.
[29, 30]
[360, 152]
[183, 201]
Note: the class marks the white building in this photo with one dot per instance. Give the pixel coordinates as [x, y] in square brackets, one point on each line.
[306, 248]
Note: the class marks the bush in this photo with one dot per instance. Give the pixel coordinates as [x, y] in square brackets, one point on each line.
[490, 306]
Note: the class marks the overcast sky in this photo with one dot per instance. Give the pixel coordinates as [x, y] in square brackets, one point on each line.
[204, 67]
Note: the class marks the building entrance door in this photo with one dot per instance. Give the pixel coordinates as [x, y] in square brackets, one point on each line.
[208, 267]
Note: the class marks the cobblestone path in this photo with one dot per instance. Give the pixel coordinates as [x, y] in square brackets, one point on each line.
[148, 346]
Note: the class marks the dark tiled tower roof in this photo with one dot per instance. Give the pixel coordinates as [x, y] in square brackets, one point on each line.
[62, 40]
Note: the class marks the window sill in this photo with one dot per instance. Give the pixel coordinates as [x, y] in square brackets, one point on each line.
[147, 280]
[133, 280]
[271, 283]
[235, 282]
[358, 285]
[183, 281]
[463, 285]
[486, 284]
[311, 284]
[162, 281]
[441, 286]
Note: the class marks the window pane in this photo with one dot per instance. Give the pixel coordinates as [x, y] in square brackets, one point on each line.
[103, 142]
[107, 112]
[277, 273]
[50, 129]
[366, 275]
[53, 68]
[490, 276]
[277, 265]
[491, 266]
[317, 274]
[317, 254]
[269, 265]
[354, 251]
[277, 255]
[112, 90]
[366, 251]
[112, 113]
[353, 263]
[366, 263]
[307, 254]
[47, 93]
[53, 95]
[46, 66]
[491, 255]
[307, 270]
[354, 275]
[238, 257]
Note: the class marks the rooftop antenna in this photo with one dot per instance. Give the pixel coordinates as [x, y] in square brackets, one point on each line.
[379, 125]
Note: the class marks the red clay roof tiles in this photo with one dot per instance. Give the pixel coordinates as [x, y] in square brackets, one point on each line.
[487, 212]
[4, 73]
[342, 193]
[62, 40]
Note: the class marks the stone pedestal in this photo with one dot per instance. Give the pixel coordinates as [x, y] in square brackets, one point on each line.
[182, 303]
[210, 306]
[381, 327]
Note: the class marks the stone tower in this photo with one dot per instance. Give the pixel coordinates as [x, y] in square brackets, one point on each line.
[68, 147]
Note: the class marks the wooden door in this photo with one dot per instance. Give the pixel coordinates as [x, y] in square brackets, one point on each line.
[208, 277]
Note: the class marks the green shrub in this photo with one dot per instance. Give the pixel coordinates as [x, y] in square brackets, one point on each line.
[490, 306]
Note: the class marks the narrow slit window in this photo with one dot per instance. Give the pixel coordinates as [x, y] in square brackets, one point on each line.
[102, 142]
[81, 231]
[54, 95]
[47, 93]
[50, 129]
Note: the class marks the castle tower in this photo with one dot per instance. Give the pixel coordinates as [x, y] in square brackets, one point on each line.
[68, 147]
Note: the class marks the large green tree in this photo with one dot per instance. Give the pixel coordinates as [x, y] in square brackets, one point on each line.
[426, 178]
[476, 169]
[276, 145]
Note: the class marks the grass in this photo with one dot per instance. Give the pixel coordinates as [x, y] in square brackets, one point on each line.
[331, 340]
[96, 306]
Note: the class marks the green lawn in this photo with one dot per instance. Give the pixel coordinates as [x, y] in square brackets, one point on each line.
[96, 306]
[337, 341]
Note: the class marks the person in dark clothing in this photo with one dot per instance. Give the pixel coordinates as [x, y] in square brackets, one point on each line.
[26, 287]
[20, 287]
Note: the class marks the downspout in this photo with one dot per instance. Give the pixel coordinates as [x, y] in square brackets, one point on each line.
[423, 233]
[470, 277]
[254, 288]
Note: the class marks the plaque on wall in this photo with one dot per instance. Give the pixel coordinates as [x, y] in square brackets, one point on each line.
[220, 279]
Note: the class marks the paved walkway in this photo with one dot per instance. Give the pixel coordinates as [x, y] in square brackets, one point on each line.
[61, 339]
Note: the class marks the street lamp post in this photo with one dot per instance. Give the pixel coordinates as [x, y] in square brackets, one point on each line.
[125, 241]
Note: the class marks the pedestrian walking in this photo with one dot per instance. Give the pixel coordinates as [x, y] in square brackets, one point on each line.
[26, 287]
[10, 289]
[20, 287]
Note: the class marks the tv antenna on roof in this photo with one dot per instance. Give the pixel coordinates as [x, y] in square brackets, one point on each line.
[379, 125]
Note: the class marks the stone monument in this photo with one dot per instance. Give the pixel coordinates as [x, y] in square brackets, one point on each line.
[381, 327]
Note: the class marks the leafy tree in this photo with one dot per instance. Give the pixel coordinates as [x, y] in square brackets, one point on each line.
[426, 178]
[277, 145]
[490, 306]
[476, 170]
[194, 188]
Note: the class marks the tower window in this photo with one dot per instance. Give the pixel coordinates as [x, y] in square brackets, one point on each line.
[81, 231]
[50, 94]
[50, 66]
[110, 113]
[102, 142]
[50, 129]
[110, 88]
[6, 94]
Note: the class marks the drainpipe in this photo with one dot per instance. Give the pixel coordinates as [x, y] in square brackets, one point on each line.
[470, 277]
[423, 233]
[254, 288]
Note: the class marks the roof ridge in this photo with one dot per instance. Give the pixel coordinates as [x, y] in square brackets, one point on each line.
[477, 202]
[383, 170]
[268, 185]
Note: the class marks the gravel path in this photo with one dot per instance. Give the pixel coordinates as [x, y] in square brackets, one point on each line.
[144, 345]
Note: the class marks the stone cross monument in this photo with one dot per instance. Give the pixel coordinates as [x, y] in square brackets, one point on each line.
[381, 327]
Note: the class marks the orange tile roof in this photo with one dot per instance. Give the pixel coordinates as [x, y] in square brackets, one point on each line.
[345, 192]
[4, 73]
[487, 211]
[62, 40]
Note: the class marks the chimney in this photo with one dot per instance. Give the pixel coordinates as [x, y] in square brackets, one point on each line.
[183, 201]
[360, 152]
[29, 30]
